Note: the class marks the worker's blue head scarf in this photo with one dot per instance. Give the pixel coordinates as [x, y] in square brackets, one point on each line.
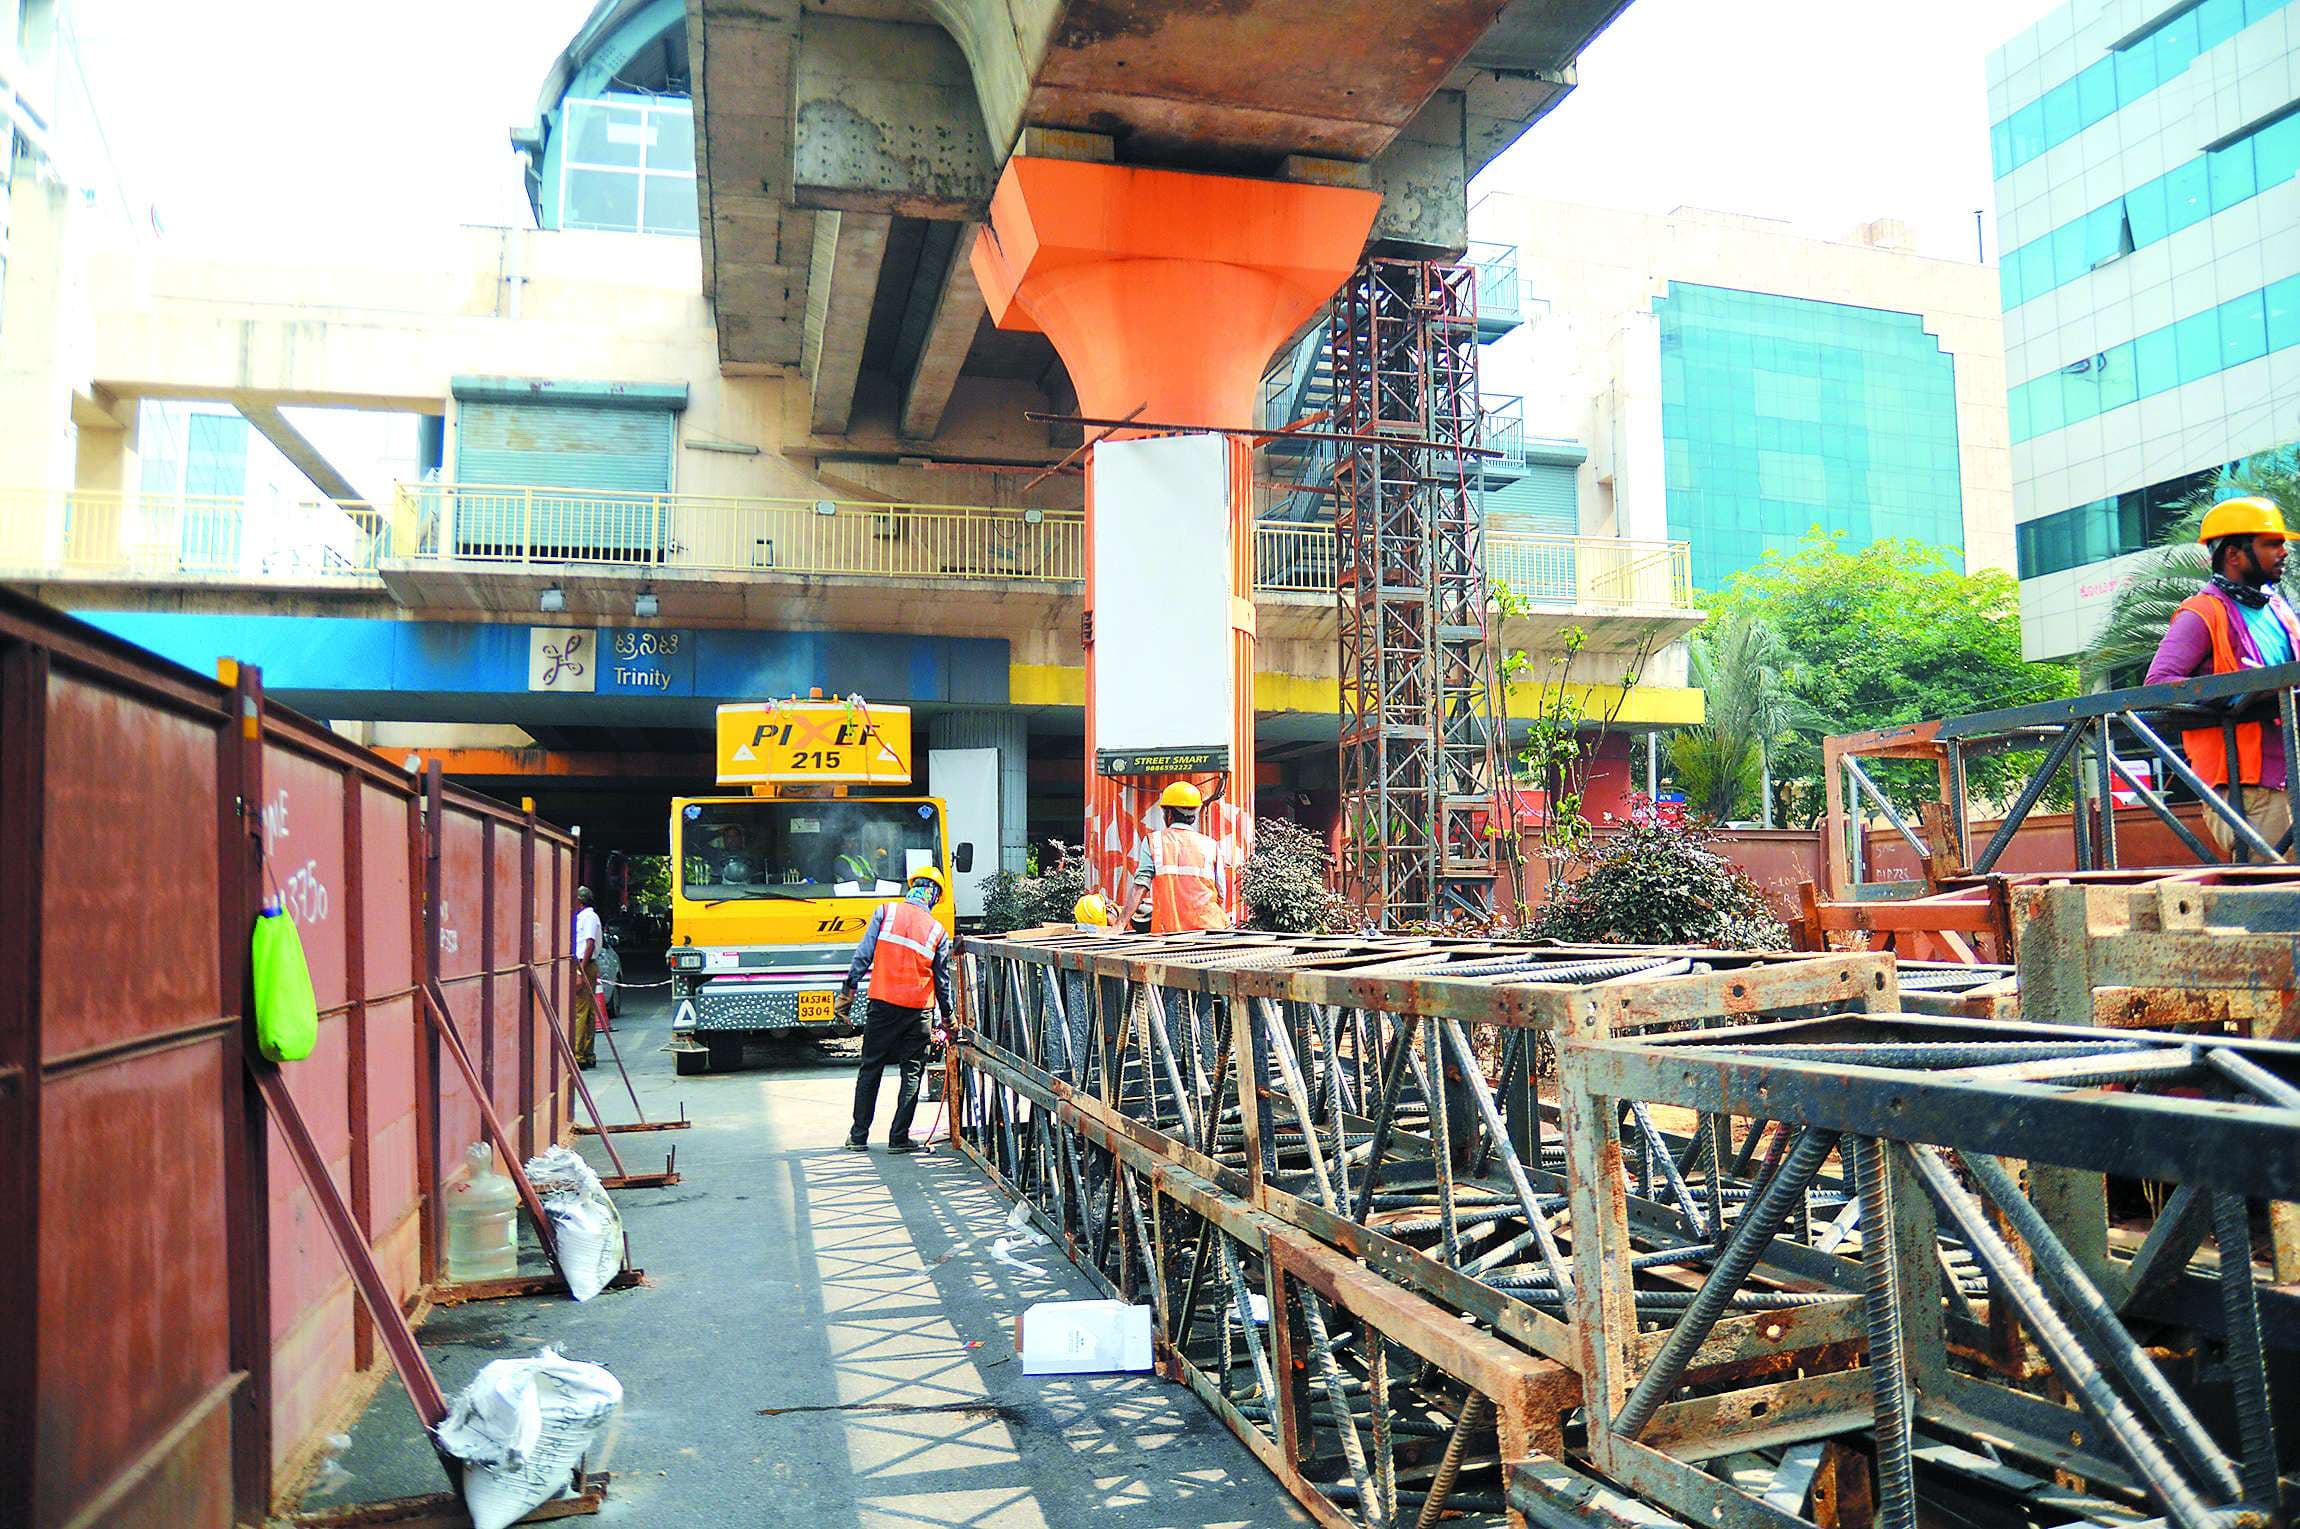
[920, 892]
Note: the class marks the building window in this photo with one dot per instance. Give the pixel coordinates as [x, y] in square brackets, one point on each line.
[2182, 196]
[2242, 329]
[2120, 79]
[628, 165]
[2112, 527]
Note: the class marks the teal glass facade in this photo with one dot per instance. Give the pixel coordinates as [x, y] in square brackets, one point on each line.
[1779, 414]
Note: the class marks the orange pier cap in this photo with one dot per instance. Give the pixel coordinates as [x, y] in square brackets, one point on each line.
[1165, 292]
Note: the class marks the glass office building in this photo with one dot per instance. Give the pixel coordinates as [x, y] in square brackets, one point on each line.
[2147, 164]
[1781, 414]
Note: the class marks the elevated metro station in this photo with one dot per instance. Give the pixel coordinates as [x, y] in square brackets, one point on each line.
[736, 419]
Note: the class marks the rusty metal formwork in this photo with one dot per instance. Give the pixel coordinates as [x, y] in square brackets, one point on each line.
[1419, 745]
[2114, 747]
[1537, 1235]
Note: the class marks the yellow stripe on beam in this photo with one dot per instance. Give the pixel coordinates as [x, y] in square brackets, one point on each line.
[1645, 705]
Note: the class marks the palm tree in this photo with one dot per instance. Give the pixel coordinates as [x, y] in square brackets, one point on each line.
[1750, 680]
[2177, 565]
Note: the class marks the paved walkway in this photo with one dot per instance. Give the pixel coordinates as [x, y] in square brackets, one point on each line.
[801, 1353]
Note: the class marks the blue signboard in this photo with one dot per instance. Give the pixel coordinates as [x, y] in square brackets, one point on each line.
[646, 661]
[338, 660]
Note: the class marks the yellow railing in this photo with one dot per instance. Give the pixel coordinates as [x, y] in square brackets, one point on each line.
[89, 534]
[541, 529]
[547, 526]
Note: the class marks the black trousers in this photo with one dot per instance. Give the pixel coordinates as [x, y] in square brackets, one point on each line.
[899, 1036]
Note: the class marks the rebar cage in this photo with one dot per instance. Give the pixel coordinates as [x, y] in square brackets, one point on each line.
[1563, 1235]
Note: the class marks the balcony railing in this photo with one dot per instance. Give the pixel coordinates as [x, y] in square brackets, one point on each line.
[547, 530]
[87, 534]
[539, 527]
[1543, 570]
[1498, 308]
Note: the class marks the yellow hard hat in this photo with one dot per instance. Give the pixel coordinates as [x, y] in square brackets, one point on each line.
[2249, 516]
[929, 873]
[1091, 912]
[1181, 794]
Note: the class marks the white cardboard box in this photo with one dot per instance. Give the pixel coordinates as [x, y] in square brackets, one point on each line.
[1083, 1338]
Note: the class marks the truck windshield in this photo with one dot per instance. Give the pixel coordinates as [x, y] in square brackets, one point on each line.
[746, 850]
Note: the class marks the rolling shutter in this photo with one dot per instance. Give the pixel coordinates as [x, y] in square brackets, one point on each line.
[603, 450]
[564, 446]
[1543, 502]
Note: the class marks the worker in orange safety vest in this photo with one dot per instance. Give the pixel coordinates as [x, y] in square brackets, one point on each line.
[1180, 868]
[2237, 621]
[906, 953]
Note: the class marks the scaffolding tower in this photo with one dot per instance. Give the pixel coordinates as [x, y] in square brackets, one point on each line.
[1420, 776]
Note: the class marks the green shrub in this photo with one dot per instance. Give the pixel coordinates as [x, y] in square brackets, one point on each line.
[1011, 901]
[1657, 883]
[1284, 885]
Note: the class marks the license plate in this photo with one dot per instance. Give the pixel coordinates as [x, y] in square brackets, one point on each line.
[814, 1008]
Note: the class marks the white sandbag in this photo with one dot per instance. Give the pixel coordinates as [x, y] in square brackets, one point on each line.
[588, 1226]
[520, 1428]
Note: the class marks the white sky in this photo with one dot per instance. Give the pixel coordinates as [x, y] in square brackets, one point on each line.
[270, 121]
[261, 122]
[1826, 113]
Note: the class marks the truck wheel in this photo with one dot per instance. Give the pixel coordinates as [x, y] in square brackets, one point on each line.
[690, 1063]
[726, 1052]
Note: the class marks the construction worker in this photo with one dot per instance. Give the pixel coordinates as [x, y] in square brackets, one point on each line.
[907, 954]
[1179, 867]
[582, 1018]
[2237, 621]
[1091, 914]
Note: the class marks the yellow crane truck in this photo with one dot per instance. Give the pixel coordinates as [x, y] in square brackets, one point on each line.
[773, 888]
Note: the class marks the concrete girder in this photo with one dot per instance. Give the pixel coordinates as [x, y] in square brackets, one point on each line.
[755, 250]
[1241, 86]
[842, 284]
[302, 454]
[958, 314]
[886, 121]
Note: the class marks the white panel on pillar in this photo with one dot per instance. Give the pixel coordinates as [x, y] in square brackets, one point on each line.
[967, 782]
[1162, 672]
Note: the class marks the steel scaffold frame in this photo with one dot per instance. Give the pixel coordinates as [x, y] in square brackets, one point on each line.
[1567, 1235]
[1418, 745]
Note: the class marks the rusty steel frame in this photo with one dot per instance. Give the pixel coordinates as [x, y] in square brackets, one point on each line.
[1401, 1213]
[622, 1178]
[2096, 739]
[1420, 754]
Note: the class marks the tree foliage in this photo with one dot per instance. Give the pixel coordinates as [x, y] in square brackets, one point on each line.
[1750, 679]
[2178, 565]
[1887, 634]
[1655, 883]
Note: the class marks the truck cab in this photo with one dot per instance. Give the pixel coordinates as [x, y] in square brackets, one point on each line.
[771, 890]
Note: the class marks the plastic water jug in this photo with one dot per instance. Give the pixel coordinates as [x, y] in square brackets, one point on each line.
[482, 1220]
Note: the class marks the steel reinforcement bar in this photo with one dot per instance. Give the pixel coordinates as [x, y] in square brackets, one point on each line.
[1402, 1215]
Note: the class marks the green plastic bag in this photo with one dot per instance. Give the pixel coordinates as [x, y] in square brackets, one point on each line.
[287, 1013]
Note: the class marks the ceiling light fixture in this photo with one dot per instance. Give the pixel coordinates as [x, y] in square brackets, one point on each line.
[646, 604]
[552, 601]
